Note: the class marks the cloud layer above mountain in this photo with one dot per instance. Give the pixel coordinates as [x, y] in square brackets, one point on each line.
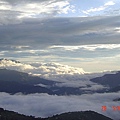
[41, 69]
[66, 76]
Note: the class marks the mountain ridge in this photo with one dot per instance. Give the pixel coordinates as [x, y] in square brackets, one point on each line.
[82, 115]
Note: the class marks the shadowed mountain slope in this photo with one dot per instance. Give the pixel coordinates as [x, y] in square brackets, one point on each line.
[87, 115]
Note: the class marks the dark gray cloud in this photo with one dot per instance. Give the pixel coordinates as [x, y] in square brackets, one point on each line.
[61, 31]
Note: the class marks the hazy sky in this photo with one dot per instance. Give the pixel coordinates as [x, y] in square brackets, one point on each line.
[83, 34]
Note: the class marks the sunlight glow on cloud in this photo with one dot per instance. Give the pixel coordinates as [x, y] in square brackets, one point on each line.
[117, 29]
[34, 9]
[46, 70]
[72, 41]
[88, 47]
[48, 8]
[104, 56]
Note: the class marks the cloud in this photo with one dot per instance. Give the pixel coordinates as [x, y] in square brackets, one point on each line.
[104, 56]
[63, 40]
[113, 12]
[44, 105]
[117, 29]
[109, 3]
[94, 88]
[37, 33]
[11, 10]
[47, 70]
[67, 76]
[101, 8]
[93, 47]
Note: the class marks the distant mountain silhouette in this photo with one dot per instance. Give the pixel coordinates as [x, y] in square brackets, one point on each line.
[10, 115]
[13, 87]
[87, 115]
[12, 75]
[111, 80]
[12, 81]
[115, 89]
[117, 99]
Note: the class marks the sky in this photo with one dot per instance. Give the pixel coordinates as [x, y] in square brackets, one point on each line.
[82, 34]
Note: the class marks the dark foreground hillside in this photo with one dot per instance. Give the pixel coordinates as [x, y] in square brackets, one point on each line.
[87, 115]
[10, 115]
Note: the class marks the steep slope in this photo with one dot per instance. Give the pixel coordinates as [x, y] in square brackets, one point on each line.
[13, 82]
[16, 87]
[12, 75]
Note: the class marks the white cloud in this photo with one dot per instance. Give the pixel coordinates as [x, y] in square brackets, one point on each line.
[47, 70]
[109, 3]
[32, 9]
[15, 66]
[20, 47]
[5, 6]
[94, 10]
[100, 8]
[117, 29]
[35, 9]
[88, 47]
[94, 87]
[44, 105]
